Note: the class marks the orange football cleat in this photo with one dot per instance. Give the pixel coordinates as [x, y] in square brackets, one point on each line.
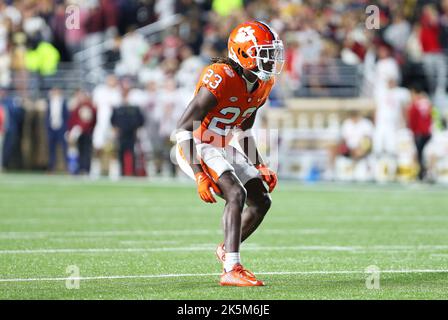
[239, 277]
[220, 252]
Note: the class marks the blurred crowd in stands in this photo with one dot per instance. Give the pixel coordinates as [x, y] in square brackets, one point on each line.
[131, 112]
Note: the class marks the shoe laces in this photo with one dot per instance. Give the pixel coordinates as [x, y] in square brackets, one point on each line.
[243, 272]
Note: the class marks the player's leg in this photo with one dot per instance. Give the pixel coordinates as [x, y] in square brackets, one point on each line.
[234, 195]
[232, 189]
[258, 199]
[52, 140]
[98, 142]
[215, 163]
[258, 203]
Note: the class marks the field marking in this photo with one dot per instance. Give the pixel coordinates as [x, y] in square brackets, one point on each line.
[251, 247]
[183, 232]
[184, 275]
[12, 235]
[286, 185]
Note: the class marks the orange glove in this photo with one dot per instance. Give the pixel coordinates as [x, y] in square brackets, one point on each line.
[268, 176]
[204, 184]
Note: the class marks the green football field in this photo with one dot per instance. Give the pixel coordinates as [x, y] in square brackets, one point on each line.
[139, 239]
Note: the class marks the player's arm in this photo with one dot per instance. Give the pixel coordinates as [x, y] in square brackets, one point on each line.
[203, 102]
[249, 146]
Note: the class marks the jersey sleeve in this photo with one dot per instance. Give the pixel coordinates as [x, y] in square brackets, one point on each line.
[216, 78]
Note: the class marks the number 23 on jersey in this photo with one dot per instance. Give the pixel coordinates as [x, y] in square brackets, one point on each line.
[212, 79]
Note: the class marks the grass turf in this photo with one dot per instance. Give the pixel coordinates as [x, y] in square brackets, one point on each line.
[315, 243]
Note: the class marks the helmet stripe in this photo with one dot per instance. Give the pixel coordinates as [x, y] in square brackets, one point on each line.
[273, 34]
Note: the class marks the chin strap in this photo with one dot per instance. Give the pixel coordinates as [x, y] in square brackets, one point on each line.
[263, 76]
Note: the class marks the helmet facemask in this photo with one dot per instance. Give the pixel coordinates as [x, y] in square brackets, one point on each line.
[269, 57]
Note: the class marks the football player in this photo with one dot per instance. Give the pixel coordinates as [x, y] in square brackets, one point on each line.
[227, 97]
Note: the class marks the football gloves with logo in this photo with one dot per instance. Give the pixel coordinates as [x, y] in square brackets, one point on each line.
[204, 183]
[268, 176]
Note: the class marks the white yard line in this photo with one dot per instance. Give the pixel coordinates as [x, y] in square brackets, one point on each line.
[12, 180]
[185, 275]
[249, 247]
[48, 234]
[12, 235]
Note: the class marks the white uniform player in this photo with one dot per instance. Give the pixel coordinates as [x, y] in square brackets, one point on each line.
[353, 132]
[436, 156]
[390, 104]
[105, 97]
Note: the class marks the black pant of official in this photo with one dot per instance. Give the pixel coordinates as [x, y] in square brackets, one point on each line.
[126, 155]
[420, 142]
[85, 152]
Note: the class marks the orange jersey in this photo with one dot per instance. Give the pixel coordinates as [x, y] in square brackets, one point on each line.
[235, 103]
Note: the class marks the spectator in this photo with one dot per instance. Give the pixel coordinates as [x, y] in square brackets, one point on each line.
[59, 29]
[11, 12]
[42, 58]
[420, 121]
[57, 118]
[133, 47]
[386, 70]
[5, 57]
[2, 133]
[35, 25]
[436, 155]
[164, 8]
[126, 120]
[310, 44]
[106, 97]
[414, 46]
[18, 62]
[112, 54]
[357, 133]
[433, 59]
[152, 69]
[444, 27]
[397, 34]
[294, 66]
[110, 14]
[355, 145]
[149, 135]
[35, 134]
[80, 125]
[190, 68]
[168, 109]
[389, 119]
[12, 153]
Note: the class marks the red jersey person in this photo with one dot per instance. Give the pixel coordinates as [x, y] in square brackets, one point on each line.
[227, 97]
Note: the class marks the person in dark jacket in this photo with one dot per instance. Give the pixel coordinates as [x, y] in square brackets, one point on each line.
[14, 116]
[57, 120]
[126, 120]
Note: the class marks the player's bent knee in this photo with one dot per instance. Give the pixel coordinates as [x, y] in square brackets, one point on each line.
[237, 196]
[266, 203]
[263, 202]
[233, 191]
